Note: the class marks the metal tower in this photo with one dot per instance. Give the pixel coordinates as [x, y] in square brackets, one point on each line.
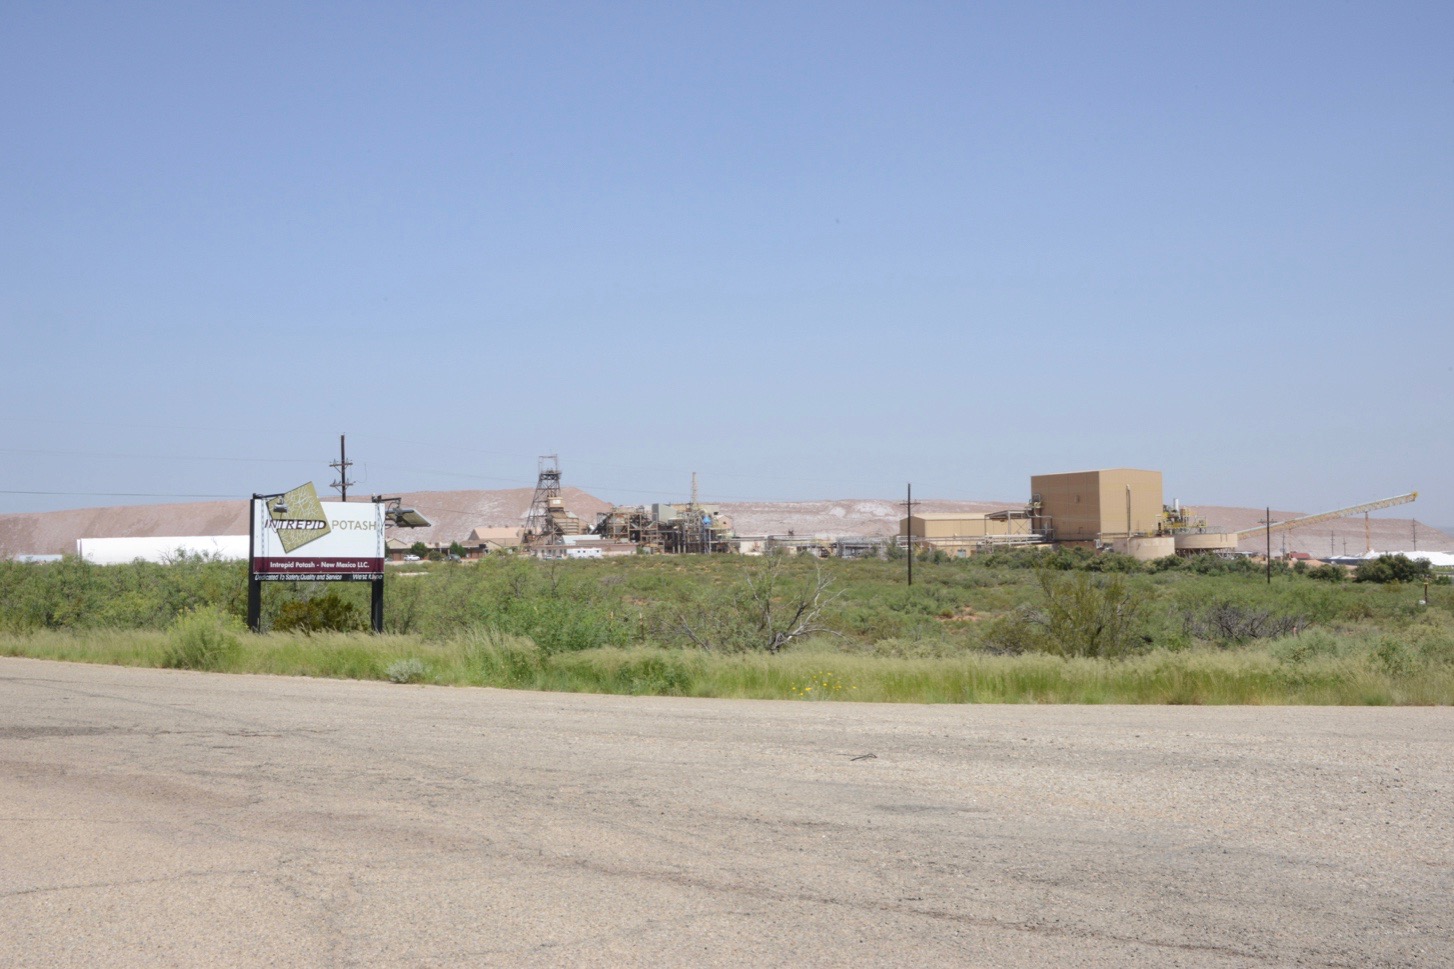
[539, 524]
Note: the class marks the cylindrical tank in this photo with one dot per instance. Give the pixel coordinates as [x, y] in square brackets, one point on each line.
[1193, 543]
[1147, 548]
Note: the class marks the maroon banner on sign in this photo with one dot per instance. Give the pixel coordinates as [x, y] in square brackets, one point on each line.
[305, 569]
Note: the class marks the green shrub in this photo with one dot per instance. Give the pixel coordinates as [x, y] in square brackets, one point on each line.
[1393, 568]
[1014, 633]
[1306, 647]
[1392, 657]
[325, 613]
[1431, 640]
[1228, 622]
[205, 638]
[1098, 618]
[925, 648]
[501, 658]
[769, 608]
[656, 673]
[409, 670]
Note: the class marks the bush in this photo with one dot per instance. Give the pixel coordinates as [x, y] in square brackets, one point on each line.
[1328, 573]
[1297, 650]
[657, 673]
[1228, 622]
[499, 657]
[1082, 617]
[1207, 563]
[326, 613]
[406, 671]
[1392, 657]
[204, 638]
[1014, 633]
[771, 608]
[1393, 568]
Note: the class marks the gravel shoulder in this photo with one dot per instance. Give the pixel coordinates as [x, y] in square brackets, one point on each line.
[157, 817]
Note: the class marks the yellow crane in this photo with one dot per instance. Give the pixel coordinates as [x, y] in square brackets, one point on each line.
[1328, 516]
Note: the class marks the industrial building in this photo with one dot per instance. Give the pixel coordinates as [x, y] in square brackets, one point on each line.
[961, 534]
[1116, 509]
[162, 549]
[1096, 506]
[669, 529]
[551, 531]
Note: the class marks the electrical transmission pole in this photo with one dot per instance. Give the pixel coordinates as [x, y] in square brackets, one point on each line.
[1268, 519]
[341, 466]
[909, 529]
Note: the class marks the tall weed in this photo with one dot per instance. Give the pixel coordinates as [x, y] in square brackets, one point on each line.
[204, 638]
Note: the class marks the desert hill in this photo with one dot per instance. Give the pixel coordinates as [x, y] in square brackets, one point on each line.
[874, 517]
[455, 513]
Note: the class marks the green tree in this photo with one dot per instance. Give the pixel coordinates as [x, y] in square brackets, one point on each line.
[1393, 568]
[1328, 573]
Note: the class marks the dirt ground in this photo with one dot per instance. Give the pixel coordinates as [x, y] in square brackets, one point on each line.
[170, 818]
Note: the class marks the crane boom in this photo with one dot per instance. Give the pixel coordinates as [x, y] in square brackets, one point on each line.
[1330, 515]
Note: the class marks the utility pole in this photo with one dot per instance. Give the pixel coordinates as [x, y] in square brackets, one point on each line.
[341, 466]
[909, 529]
[1269, 544]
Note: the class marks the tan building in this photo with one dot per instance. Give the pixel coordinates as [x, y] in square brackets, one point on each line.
[1105, 505]
[961, 533]
[483, 541]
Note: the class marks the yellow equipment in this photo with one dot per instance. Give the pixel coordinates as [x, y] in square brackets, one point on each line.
[1330, 515]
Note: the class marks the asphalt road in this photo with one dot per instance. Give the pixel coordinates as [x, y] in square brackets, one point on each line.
[157, 818]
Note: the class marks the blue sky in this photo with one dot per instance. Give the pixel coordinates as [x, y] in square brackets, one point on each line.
[807, 250]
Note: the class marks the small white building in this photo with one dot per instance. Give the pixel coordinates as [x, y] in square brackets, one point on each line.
[161, 549]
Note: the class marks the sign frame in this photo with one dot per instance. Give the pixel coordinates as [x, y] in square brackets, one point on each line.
[295, 537]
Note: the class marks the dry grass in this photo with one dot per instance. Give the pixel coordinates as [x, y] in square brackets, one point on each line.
[482, 659]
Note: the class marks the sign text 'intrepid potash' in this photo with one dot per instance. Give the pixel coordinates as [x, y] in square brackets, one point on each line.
[296, 537]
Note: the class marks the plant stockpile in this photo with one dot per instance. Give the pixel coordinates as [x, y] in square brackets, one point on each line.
[1017, 626]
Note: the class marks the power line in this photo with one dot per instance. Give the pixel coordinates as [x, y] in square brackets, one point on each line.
[722, 473]
[11, 418]
[716, 472]
[154, 457]
[114, 494]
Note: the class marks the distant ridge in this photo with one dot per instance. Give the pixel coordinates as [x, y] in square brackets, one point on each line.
[455, 513]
